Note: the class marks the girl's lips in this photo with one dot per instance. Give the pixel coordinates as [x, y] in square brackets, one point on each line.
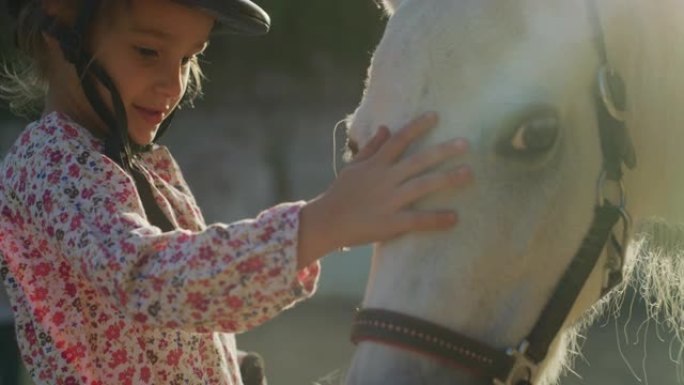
[153, 117]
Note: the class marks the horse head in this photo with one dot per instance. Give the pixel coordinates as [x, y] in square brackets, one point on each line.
[526, 83]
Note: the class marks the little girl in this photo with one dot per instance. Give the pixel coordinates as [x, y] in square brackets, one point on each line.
[113, 275]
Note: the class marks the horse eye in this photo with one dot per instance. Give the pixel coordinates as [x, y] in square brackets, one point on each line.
[534, 136]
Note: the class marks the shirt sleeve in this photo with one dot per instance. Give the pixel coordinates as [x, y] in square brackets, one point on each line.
[227, 277]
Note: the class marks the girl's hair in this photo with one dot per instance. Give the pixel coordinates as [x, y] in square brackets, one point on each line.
[23, 81]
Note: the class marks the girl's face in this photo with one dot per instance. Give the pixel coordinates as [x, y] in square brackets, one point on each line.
[147, 48]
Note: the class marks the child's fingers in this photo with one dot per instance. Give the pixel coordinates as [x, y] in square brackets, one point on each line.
[417, 188]
[426, 220]
[430, 157]
[402, 139]
[374, 144]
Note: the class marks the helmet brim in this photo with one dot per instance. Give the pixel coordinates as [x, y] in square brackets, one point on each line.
[240, 17]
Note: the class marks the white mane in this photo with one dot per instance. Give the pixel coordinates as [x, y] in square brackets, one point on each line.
[476, 62]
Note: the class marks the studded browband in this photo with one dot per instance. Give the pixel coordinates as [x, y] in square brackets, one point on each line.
[440, 343]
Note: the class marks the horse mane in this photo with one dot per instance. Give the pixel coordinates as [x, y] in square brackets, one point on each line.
[654, 271]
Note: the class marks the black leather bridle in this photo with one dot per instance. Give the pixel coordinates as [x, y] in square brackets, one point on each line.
[518, 366]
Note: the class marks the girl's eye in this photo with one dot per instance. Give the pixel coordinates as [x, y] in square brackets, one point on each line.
[147, 52]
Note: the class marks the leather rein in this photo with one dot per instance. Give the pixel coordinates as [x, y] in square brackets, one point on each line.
[518, 366]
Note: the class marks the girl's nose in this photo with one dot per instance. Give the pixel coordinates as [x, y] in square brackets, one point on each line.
[171, 82]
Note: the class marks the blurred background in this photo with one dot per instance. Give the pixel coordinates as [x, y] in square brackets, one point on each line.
[264, 133]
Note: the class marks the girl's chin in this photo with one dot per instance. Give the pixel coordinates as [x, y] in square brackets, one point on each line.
[141, 140]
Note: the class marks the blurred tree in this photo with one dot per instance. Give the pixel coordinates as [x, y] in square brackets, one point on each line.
[6, 37]
[6, 52]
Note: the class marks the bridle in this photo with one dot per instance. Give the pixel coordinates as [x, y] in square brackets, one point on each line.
[518, 366]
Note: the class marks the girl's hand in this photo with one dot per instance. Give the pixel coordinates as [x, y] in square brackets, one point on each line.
[369, 201]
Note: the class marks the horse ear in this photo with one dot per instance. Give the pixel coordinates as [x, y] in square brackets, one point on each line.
[391, 5]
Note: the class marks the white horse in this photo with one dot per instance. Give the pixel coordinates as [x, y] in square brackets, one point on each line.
[516, 78]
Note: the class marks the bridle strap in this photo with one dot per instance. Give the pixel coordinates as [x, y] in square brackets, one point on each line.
[569, 287]
[597, 31]
[617, 149]
[424, 337]
[616, 146]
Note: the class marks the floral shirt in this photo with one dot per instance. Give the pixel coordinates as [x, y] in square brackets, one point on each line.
[100, 296]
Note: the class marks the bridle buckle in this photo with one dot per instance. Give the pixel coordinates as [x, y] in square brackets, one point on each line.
[616, 248]
[523, 369]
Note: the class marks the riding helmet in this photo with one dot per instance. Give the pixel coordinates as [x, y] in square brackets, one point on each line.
[242, 17]
[235, 16]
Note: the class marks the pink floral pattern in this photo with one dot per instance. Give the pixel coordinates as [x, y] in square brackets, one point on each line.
[100, 296]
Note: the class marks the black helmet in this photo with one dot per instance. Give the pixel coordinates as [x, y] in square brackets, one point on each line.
[235, 16]
[241, 17]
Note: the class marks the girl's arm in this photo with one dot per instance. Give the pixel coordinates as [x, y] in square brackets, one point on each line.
[227, 277]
